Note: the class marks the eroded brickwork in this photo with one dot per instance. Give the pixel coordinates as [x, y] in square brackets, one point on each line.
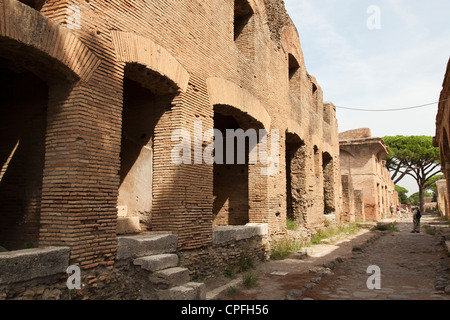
[442, 139]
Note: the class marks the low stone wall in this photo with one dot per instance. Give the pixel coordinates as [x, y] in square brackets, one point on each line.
[24, 265]
[232, 245]
[23, 270]
[40, 274]
[115, 282]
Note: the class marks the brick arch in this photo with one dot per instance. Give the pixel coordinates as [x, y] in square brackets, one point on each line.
[133, 48]
[42, 44]
[225, 92]
[291, 44]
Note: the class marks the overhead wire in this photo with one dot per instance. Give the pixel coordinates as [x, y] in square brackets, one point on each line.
[391, 110]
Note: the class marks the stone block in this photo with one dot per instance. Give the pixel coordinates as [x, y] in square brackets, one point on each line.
[200, 289]
[146, 244]
[236, 233]
[223, 234]
[23, 265]
[168, 278]
[178, 293]
[157, 262]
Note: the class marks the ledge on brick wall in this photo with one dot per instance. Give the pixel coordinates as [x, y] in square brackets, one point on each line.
[222, 235]
[24, 265]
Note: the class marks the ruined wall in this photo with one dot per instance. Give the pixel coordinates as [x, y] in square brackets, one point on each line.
[348, 199]
[362, 158]
[109, 154]
[441, 192]
[442, 137]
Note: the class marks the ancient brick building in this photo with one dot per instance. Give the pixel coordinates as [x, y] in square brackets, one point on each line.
[441, 140]
[368, 190]
[99, 97]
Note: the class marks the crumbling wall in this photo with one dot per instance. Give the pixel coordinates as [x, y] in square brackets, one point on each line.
[348, 199]
[277, 18]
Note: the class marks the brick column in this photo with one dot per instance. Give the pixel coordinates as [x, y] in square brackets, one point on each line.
[80, 180]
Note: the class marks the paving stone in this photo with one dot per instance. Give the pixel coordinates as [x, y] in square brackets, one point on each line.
[365, 295]
[398, 297]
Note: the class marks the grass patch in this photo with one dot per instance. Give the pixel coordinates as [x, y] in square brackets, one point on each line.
[334, 232]
[228, 273]
[250, 280]
[392, 227]
[291, 224]
[245, 264]
[283, 248]
[231, 291]
[429, 229]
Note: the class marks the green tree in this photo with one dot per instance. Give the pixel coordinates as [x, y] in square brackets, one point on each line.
[402, 194]
[414, 199]
[414, 156]
[432, 184]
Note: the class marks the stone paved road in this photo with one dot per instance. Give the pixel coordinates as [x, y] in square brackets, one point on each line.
[413, 267]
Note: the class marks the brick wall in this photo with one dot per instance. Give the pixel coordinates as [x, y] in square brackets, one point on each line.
[362, 159]
[190, 48]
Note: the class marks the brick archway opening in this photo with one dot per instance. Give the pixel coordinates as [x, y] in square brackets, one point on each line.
[23, 109]
[328, 182]
[234, 179]
[231, 202]
[146, 97]
[295, 178]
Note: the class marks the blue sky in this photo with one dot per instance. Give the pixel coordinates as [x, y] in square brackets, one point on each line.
[401, 64]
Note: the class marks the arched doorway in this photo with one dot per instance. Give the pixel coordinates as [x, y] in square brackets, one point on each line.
[295, 178]
[146, 96]
[23, 110]
[232, 171]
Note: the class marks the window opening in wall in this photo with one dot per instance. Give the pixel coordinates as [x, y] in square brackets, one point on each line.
[294, 75]
[314, 88]
[244, 28]
[35, 4]
[315, 97]
[22, 152]
[316, 161]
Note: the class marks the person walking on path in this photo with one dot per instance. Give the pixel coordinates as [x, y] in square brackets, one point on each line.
[399, 212]
[416, 220]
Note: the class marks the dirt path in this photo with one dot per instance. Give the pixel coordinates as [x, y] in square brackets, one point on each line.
[413, 266]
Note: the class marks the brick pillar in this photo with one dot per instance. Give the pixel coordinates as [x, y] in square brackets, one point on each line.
[80, 180]
[183, 194]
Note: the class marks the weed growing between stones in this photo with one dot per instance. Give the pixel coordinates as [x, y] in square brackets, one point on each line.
[283, 248]
[250, 280]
